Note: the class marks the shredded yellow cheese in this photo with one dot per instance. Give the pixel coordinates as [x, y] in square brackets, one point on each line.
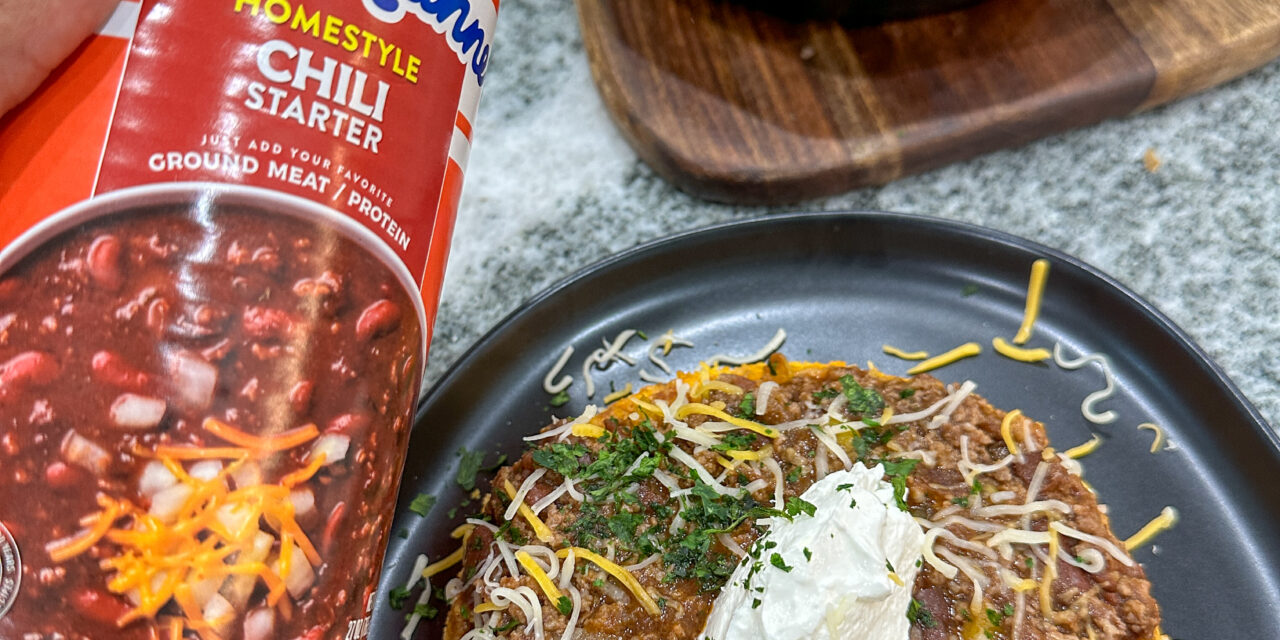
[618, 395]
[1159, 439]
[1035, 289]
[1050, 574]
[699, 408]
[540, 528]
[748, 454]
[444, 563]
[539, 576]
[888, 413]
[1025, 584]
[486, 607]
[1006, 430]
[714, 385]
[1018, 353]
[587, 430]
[461, 530]
[965, 350]
[1082, 450]
[897, 579]
[905, 355]
[623, 576]
[1167, 518]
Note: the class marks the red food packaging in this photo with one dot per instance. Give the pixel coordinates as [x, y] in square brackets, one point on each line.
[223, 238]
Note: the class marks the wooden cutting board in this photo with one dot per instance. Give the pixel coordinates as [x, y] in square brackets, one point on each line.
[734, 104]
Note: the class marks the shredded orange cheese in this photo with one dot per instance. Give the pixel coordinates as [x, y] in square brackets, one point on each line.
[618, 395]
[279, 442]
[588, 430]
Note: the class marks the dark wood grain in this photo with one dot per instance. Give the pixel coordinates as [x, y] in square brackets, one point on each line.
[736, 104]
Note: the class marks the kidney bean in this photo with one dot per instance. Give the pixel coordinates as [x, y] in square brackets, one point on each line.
[10, 288]
[331, 526]
[348, 424]
[377, 319]
[62, 476]
[99, 606]
[265, 323]
[25, 370]
[300, 397]
[104, 261]
[109, 368]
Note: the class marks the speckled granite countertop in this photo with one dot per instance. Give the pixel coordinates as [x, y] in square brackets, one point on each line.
[552, 188]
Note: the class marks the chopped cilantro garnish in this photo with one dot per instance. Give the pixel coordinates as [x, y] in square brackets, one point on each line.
[564, 605]
[844, 487]
[747, 408]
[897, 472]
[643, 335]
[468, 467]
[559, 399]
[735, 441]
[825, 393]
[969, 289]
[422, 504]
[398, 597]
[794, 474]
[808, 555]
[561, 458]
[755, 603]
[906, 393]
[506, 626]
[862, 401]
[776, 560]
[796, 506]
[919, 615]
[426, 610]
[961, 500]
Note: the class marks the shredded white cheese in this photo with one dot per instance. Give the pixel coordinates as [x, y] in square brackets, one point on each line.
[563, 383]
[773, 345]
[1086, 407]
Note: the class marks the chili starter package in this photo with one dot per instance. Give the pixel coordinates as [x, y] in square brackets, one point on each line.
[223, 229]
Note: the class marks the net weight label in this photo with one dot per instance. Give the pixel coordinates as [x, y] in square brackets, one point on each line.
[10, 570]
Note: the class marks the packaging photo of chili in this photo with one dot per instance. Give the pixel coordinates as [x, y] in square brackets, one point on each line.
[220, 263]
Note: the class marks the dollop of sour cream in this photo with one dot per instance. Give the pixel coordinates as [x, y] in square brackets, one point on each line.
[839, 584]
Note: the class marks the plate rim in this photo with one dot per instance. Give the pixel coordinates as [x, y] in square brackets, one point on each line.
[1257, 423]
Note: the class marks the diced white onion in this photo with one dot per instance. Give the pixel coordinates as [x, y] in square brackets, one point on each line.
[260, 624]
[85, 453]
[155, 478]
[205, 470]
[239, 519]
[334, 447]
[301, 575]
[304, 502]
[137, 412]
[193, 379]
[218, 609]
[167, 504]
[248, 474]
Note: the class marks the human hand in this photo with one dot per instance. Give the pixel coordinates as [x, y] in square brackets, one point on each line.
[35, 36]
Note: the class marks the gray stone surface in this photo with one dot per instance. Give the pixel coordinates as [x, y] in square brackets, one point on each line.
[552, 188]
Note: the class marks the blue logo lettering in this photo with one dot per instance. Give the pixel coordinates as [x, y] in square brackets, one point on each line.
[470, 38]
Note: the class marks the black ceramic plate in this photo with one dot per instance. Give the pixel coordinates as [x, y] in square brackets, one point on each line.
[842, 285]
